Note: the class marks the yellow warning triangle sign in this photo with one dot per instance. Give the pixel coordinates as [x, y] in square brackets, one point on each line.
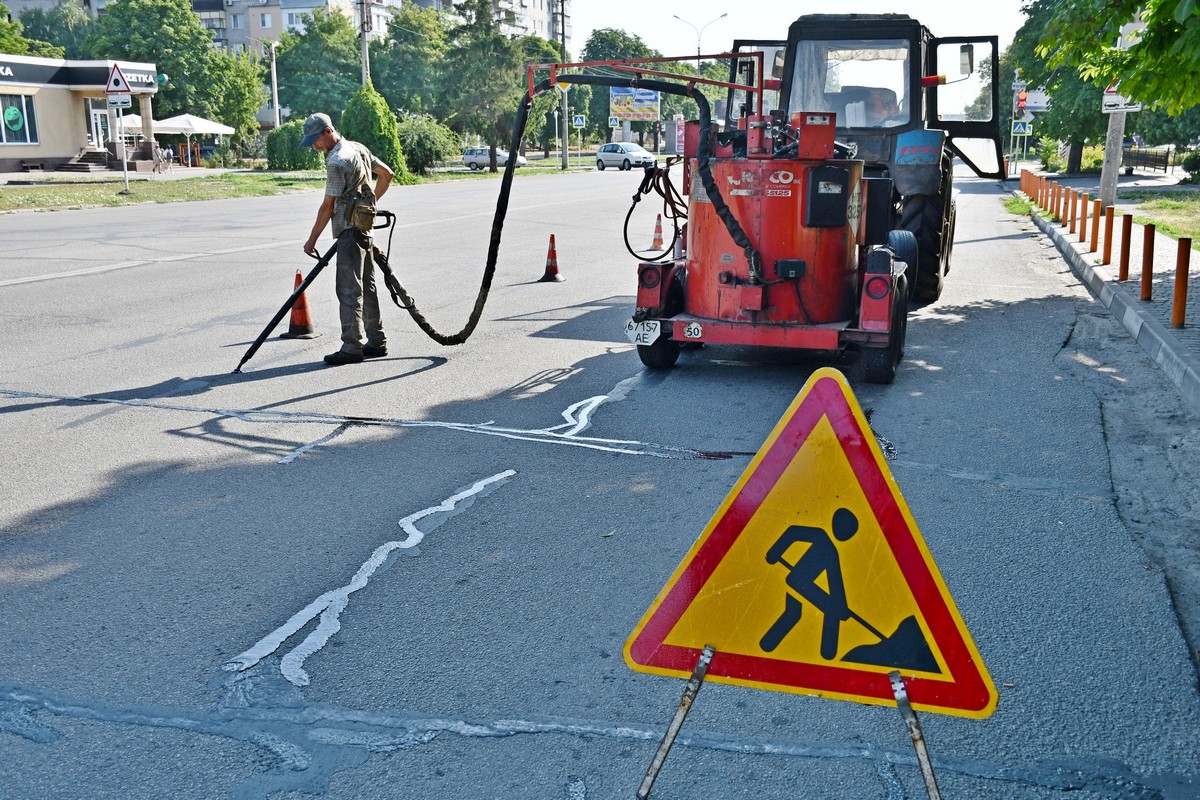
[116, 82]
[813, 578]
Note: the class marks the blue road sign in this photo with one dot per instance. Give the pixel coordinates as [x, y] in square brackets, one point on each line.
[1022, 128]
[578, 121]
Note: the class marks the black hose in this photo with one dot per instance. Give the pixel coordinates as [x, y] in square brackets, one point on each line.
[403, 299]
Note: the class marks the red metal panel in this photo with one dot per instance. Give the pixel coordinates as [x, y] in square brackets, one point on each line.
[797, 337]
[767, 198]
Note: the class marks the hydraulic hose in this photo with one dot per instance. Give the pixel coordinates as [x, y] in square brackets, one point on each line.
[703, 154]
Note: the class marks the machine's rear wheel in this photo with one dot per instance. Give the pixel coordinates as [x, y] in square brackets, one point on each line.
[924, 216]
[662, 354]
[878, 364]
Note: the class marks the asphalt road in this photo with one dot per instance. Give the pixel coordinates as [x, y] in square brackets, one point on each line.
[413, 578]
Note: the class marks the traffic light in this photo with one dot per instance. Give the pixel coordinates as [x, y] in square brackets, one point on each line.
[1021, 97]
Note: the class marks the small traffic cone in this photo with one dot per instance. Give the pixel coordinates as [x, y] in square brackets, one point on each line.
[551, 275]
[301, 326]
[657, 244]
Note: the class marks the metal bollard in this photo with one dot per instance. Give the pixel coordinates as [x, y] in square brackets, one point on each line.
[1126, 238]
[1108, 229]
[1147, 259]
[1095, 226]
[1179, 305]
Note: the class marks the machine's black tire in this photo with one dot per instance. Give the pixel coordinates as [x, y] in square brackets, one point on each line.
[626, 165]
[473, 167]
[903, 245]
[662, 354]
[925, 217]
[600, 164]
[879, 364]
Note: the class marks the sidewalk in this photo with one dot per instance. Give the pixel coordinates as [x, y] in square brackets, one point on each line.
[1176, 350]
[176, 173]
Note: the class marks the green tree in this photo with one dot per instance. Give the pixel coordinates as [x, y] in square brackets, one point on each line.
[284, 151]
[66, 25]
[479, 76]
[608, 44]
[405, 65]
[367, 119]
[1162, 68]
[539, 125]
[319, 67]
[1156, 126]
[14, 42]
[238, 92]
[1075, 103]
[426, 142]
[168, 34]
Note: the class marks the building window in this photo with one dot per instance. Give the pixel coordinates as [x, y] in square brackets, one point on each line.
[237, 21]
[295, 21]
[18, 124]
[264, 20]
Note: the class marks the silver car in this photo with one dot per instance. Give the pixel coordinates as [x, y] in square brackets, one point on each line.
[623, 155]
[478, 158]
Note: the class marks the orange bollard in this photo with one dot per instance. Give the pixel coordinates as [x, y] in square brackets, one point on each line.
[1083, 216]
[1055, 197]
[1126, 238]
[1179, 305]
[1108, 228]
[1095, 226]
[1147, 259]
[1071, 197]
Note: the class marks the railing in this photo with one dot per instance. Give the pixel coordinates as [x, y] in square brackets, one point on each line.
[1157, 159]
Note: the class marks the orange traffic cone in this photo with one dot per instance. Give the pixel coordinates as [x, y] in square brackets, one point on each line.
[301, 326]
[657, 244]
[551, 275]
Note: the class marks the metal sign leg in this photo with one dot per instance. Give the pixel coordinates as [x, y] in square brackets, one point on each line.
[914, 730]
[685, 705]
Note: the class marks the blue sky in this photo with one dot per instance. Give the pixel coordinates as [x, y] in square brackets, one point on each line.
[654, 22]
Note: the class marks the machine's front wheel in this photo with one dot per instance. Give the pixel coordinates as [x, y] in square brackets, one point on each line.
[879, 364]
[626, 165]
[600, 163]
[662, 354]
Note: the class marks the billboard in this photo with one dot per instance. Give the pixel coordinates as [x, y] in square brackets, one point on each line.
[626, 103]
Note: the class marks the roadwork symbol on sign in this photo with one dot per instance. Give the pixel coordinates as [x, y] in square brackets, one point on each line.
[812, 577]
[116, 82]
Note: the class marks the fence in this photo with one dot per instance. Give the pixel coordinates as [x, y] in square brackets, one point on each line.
[1156, 158]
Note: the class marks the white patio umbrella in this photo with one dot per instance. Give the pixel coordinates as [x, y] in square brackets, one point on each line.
[190, 125]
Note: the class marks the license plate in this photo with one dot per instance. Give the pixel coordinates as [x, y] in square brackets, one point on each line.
[643, 333]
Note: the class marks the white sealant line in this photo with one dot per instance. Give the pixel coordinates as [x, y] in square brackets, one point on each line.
[543, 436]
[331, 604]
[299, 451]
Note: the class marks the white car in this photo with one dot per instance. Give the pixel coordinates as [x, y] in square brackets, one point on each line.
[479, 158]
[623, 155]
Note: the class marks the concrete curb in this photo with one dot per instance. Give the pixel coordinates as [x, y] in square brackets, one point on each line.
[1181, 366]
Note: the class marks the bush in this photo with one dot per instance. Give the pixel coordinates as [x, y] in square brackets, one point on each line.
[1093, 159]
[284, 151]
[426, 142]
[1051, 160]
[368, 120]
[1191, 163]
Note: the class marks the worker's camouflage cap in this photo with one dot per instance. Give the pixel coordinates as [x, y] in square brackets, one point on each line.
[314, 126]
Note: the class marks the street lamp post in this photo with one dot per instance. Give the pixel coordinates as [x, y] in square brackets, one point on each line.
[699, 33]
[274, 84]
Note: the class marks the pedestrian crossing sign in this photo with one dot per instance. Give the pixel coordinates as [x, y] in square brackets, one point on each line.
[578, 121]
[1022, 128]
[813, 578]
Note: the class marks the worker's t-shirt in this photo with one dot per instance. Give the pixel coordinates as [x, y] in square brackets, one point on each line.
[344, 165]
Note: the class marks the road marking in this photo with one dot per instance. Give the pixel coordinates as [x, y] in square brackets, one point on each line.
[128, 264]
[331, 604]
[299, 451]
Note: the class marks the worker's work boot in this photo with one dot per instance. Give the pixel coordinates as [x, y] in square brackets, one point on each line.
[342, 357]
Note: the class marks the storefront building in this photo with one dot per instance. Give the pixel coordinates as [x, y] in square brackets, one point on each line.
[54, 110]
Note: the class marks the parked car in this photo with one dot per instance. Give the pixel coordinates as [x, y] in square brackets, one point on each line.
[623, 155]
[478, 158]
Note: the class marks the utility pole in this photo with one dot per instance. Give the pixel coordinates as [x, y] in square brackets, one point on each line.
[562, 44]
[365, 20]
[274, 84]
